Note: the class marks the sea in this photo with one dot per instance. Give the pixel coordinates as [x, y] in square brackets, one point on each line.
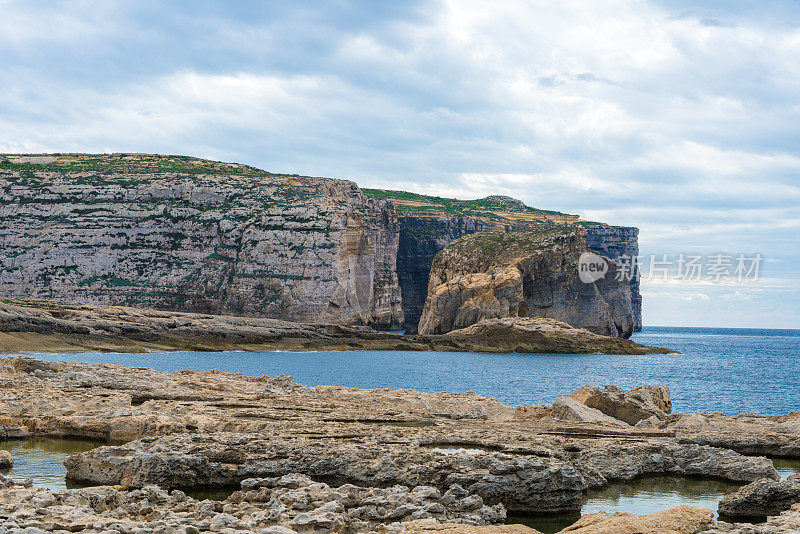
[730, 370]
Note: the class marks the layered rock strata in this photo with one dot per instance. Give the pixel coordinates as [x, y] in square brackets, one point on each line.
[421, 238]
[193, 235]
[620, 243]
[185, 234]
[336, 459]
[524, 273]
[46, 326]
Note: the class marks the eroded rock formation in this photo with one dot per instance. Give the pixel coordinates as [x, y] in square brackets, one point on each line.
[621, 244]
[524, 273]
[282, 505]
[421, 238]
[332, 458]
[762, 498]
[45, 326]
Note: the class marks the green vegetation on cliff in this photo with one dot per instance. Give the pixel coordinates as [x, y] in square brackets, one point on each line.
[126, 164]
[495, 207]
[494, 247]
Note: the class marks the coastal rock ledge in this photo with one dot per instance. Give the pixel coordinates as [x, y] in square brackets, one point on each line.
[338, 459]
[28, 325]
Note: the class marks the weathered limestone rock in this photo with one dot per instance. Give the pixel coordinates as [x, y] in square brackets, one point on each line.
[678, 520]
[292, 503]
[569, 409]
[785, 523]
[521, 483]
[632, 407]
[761, 498]
[537, 334]
[610, 460]
[772, 435]
[212, 428]
[13, 432]
[186, 234]
[620, 243]
[524, 273]
[194, 235]
[47, 326]
[6, 461]
[421, 237]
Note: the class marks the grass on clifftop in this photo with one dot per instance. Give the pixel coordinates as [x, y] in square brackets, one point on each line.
[126, 164]
[487, 207]
[489, 248]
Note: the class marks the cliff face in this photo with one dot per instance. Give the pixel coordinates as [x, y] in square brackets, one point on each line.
[185, 234]
[620, 242]
[524, 273]
[421, 237]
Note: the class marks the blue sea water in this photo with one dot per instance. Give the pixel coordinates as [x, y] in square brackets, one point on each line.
[730, 370]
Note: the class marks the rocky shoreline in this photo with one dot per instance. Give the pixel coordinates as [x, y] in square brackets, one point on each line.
[338, 459]
[28, 325]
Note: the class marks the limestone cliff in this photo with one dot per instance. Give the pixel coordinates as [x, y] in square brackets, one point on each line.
[428, 223]
[421, 237]
[184, 234]
[620, 242]
[524, 273]
[181, 233]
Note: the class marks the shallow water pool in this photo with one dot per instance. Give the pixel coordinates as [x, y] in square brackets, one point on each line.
[42, 459]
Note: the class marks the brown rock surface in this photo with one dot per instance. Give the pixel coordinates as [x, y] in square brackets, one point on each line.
[220, 428]
[787, 522]
[46, 326]
[631, 407]
[6, 461]
[679, 520]
[213, 428]
[539, 334]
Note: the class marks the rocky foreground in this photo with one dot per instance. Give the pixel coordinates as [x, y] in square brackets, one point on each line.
[336, 459]
[47, 326]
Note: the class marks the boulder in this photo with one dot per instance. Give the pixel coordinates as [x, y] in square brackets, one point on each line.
[761, 498]
[6, 461]
[631, 407]
[569, 409]
[679, 520]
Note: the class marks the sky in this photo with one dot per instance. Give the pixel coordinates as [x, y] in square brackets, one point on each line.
[683, 121]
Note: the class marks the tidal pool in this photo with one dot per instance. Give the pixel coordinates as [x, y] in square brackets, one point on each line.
[787, 466]
[645, 495]
[42, 459]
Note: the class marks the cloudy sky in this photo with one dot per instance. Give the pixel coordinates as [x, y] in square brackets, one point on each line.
[682, 121]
